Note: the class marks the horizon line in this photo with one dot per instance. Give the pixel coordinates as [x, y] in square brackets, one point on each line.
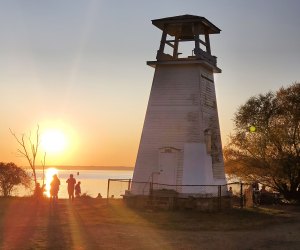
[82, 167]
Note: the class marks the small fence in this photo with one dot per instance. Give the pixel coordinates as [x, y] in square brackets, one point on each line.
[116, 188]
[236, 192]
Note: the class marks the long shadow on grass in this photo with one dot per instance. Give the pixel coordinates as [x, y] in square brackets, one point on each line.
[57, 230]
[67, 228]
[83, 230]
[18, 220]
[4, 204]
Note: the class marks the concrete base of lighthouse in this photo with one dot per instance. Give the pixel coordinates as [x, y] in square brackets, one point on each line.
[197, 169]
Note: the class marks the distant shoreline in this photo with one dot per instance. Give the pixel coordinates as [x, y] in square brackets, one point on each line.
[87, 167]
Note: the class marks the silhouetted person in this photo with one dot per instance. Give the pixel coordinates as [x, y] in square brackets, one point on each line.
[256, 193]
[38, 192]
[54, 187]
[77, 189]
[71, 186]
[263, 190]
[99, 196]
[255, 186]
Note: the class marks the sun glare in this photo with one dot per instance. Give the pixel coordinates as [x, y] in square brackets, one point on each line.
[49, 175]
[53, 141]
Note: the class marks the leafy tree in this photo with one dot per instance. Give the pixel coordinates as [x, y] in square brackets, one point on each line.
[10, 176]
[265, 145]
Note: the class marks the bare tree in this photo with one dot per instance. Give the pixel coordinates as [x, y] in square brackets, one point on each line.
[28, 149]
[44, 164]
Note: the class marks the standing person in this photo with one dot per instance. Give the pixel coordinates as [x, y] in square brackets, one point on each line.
[54, 187]
[77, 189]
[38, 194]
[71, 185]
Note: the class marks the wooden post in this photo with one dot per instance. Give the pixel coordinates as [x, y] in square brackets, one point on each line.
[162, 43]
[175, 51]
[207, 43]
[219, 196]
[151, 187]
[197, 39]
[108, 189]
[129, 184]
[241, 196]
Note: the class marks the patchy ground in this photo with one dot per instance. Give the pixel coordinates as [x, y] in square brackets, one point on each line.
[98, 224]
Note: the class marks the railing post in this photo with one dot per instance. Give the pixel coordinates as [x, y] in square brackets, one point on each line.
[129, 185]
[241, 196]
[107, 196]
[151, 188]
[151, 193]
[219, 197]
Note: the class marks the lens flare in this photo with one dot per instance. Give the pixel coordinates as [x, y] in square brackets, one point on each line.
[252, 129]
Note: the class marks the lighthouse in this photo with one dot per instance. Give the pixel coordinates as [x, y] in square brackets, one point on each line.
[180, 146]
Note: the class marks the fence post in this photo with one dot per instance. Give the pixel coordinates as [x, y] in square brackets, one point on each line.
[219, 197]
[107, 196]
[129, 185]
[241, 196]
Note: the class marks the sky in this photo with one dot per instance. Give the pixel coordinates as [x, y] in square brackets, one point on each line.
[80, 67]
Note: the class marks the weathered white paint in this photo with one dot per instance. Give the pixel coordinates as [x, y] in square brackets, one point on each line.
[181, 114]
[197, 165]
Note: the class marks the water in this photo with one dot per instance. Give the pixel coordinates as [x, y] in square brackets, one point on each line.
[92, 182]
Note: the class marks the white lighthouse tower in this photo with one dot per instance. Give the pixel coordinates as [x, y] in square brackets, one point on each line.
[180, 144]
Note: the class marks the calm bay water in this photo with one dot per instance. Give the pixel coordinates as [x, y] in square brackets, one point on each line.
[92, 182]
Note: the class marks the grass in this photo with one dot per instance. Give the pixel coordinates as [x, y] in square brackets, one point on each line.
[89, 223]
[232, 219]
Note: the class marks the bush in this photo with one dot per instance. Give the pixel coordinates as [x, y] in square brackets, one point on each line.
[10, 176]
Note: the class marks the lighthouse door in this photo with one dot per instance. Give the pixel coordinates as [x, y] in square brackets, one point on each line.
[168, 164]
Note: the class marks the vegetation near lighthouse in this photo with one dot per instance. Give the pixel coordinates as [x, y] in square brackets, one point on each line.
[270, 153]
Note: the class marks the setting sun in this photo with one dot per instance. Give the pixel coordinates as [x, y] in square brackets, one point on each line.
[58, 141]
[53, 141]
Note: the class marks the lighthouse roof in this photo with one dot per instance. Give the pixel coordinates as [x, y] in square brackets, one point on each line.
[176, 25]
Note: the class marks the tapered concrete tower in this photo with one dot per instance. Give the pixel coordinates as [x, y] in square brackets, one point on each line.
[180, 142]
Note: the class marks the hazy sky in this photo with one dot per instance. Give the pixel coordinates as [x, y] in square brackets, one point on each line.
[80, 66]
